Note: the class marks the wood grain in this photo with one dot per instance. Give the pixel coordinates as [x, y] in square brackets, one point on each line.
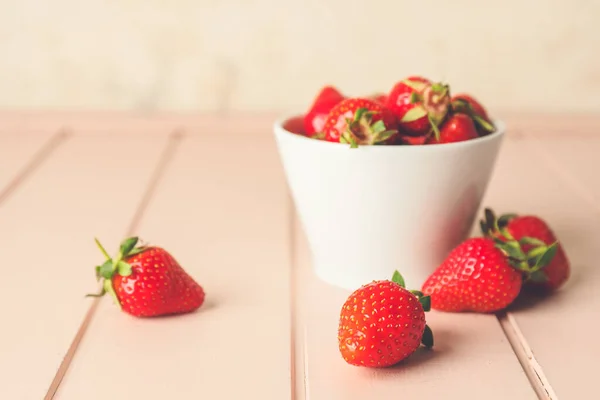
[556, 179]
[46, 238]
[222, 211]
[471, 358]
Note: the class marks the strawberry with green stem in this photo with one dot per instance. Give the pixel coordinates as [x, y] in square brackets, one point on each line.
[146, 281]
[419, 105]
[360, 121]
[382, 323]
[457, 128]
[467, 104]
[532, 247]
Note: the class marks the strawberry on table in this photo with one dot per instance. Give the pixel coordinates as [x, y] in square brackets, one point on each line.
[546, 267]
[382, 323]
[360, 121]
[146, 281]
[458, 128]
[315, 118]
[419, 105]
[476, 276]
[465, 103]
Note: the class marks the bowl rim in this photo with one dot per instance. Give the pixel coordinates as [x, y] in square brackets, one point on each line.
[279, 130]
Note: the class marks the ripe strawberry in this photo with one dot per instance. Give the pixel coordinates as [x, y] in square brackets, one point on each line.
[476, 276]
[381, 98]
[419, 105]
[465, 103]
[458, 128]
[382, 323]
[360, 121]
[315, 118]
[471, 101]
[147, 281]
[543, 260]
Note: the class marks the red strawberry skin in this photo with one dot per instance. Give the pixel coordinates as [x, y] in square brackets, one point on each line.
[476, 105]
[158, 285]
[399, 102]
[337, 123]
[381, 324]
[558, 270]
[412, 140]
[379, 97]
[458, 128]
[314, 119]
[476, 276]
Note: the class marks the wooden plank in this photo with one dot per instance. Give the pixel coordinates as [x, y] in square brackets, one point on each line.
[471, 356]
[20, 154]
[558, 333]
[89, 186]
[222, 211]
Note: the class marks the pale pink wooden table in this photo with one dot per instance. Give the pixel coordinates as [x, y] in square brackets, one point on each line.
[211, 190]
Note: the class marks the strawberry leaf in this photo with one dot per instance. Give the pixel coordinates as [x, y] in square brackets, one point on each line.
[106, 269]
[547, 257]
[359, 113]
[414, 85]
[378, 127]
[127, 245]
[414, 114]
[397, 278]
[536, 252]
[425, 302]
[414, 98]
[483, 123]
[135, 251]
[427, 338]
[108, 288]
[484, 229]
[512, 249]
[385, 135]
[99, 294]
[504, 232]
[526, 240]
[538, 277]
[124, 268]
[490, 218]
[102, 249]
[505, 219]
[434, 127]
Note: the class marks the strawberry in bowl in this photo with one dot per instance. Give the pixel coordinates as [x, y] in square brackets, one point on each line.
[388, 183]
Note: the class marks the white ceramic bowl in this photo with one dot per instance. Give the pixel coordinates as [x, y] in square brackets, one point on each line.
[370, 210]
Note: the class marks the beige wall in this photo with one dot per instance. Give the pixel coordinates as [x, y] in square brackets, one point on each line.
[274, 54]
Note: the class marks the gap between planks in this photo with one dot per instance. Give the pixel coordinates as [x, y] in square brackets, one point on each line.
[167, 155]
[521, 347]
[299, 358]
[523, 351]
[36, 160]
[533, 369]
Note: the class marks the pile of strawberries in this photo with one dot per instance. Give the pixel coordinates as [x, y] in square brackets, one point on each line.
[382, 323]
[416, 111]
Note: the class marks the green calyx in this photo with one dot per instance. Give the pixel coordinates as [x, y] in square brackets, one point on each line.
[464, 107]
[424, 300]
[361, 130]
[431, 101]
[528, 255]
[116, 265]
